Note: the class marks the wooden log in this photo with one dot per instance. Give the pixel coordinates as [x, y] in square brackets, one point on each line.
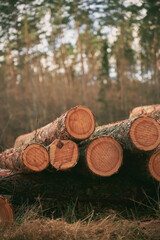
[103, 155]
[149, 110]
[63, 154]
[64, 185]
[77, 123]
[142, 133]
[32, 157]
[154, 164]
[6, 212]
[67, 186]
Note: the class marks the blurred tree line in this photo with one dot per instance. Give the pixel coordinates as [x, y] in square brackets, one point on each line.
[58, 54]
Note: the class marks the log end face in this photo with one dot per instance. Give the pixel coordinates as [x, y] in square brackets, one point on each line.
[104, 156]
[154, 165]
[6, 212]
[145, 133]
[35, 157]
[80, 122]
[63, 154]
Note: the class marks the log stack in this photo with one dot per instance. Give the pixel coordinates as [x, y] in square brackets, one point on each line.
[72, 140]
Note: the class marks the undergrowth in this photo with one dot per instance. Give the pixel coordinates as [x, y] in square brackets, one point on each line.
[33, 226]
[77, 221]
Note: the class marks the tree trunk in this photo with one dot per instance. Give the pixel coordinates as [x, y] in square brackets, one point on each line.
[84, 80]
[33, 157]
[103, 156]
[6, 212]
[77, 123]
[63, 154]
[153, 110]
[142, 133]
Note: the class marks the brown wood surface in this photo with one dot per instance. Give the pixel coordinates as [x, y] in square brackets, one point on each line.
[63, 154]
[6, 212]
[101, 155]
[154, 164]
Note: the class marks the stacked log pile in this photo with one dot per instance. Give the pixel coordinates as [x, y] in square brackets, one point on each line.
[72, 142]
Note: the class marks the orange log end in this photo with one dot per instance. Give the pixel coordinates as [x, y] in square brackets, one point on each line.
[6, 212]
[154, 165]
[145, 133]
[35, 157]
[104, 156]
[63, 154]
[80, 122]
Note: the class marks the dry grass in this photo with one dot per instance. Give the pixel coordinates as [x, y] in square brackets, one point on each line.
[31, 226]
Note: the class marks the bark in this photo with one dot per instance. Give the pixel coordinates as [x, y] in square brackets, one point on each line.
[63, 186]
[33, 157]
[103, 156]
[63, 154]
[6, 212]
[152, 110]
[77, 123]
[142, 133]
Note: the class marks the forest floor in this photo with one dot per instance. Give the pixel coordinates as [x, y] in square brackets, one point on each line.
[78, 221]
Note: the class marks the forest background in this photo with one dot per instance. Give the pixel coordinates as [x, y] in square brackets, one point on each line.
[58, 54]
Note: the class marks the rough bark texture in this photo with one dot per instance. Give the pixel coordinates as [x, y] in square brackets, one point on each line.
[77, 123]
[63, 154]
[142, 133]
[151, 110]
[63, 186]
[6, 212]
[102, 155]
[32, 157]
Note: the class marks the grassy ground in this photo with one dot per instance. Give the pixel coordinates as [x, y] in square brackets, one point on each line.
[78, 221]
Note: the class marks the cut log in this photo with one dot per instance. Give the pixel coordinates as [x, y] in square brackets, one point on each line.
[63, 154]
[142, 133]
[103, 155]
[154, 164]
[6, 212]
[63, 186]
[149, 110]
[77, 123]
[33, 157]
